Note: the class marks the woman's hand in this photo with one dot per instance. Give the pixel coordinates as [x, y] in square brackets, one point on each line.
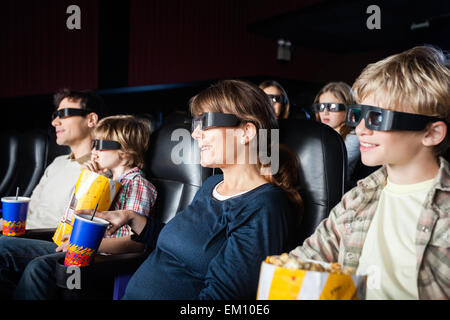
[65, 243]
[119, 218]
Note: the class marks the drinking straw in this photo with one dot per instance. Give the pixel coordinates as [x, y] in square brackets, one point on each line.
[17, 193]
[95, 209]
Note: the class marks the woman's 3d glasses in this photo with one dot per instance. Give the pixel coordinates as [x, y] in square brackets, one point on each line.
[105, 145]
[67, 112]
[277, 98]
[330, 106]
[214, 119]
[380, 119]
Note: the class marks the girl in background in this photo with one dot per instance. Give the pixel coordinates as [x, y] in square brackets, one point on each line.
[278, 97]
[330, 105]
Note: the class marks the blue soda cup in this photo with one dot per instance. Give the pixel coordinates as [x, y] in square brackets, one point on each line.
[84, 240]
[14, 215]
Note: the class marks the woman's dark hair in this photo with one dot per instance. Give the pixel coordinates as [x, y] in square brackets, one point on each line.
[287, 178]
[88, 100]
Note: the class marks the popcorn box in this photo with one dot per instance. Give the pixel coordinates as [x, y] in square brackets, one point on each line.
[279, 283]
[91, 188]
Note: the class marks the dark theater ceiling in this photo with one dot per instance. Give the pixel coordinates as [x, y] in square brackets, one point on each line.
[341, 26]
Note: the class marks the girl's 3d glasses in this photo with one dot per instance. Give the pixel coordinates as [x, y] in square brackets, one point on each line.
[330, 106]
[214, 119]
[380, 119]
[277, 98]
[67, 112]
[105, 145]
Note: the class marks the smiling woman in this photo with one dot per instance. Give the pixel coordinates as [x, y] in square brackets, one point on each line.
[213, 249]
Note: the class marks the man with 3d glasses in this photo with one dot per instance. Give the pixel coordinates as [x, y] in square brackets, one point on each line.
[76, 116]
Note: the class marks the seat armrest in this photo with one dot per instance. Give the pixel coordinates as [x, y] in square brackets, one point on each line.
[115, 264]
[40, 234]
[97, 279]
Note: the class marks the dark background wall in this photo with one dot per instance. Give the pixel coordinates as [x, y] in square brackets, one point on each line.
[166, 51]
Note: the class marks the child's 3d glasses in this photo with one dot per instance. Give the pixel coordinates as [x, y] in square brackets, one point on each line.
[67, 112]
[380, 119]
[214, 119]
[105, 145]
[330, 106]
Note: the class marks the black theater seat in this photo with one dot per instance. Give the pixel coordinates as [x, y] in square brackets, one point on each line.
[24, 159]
[31, 162]
[176, 184]
[9, 144]
[323, 162]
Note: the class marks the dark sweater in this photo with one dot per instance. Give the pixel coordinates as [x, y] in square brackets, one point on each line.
[213, 249]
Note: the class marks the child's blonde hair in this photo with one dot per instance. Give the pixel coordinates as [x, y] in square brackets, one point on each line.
[417, 79]
[131, 132]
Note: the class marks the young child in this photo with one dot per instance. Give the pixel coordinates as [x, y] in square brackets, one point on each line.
[394, 225]
[330, 105]
[119, 147]
[118, 151]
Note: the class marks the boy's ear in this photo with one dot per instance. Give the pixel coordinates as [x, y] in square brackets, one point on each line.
[124, 156]
[435, 134]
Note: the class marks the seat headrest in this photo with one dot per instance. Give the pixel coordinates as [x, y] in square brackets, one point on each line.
[172, 155]
[323, 161]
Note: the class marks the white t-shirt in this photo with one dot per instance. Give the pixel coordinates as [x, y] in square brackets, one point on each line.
[220, 197]
[52, 194]
[389, 255]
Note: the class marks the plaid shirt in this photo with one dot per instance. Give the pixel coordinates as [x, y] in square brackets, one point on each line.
[341, 236]
[136, 194]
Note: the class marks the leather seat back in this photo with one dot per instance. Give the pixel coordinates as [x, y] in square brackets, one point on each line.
[323, 162]
[9, 142]
[31, 162]
[176, 181]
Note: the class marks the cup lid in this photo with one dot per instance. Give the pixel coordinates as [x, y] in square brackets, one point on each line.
[12, 199]
[87, 218]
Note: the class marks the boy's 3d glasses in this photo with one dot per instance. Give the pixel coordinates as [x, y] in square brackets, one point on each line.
[67, 112]
[330, 106]
[380, 119]
[277, 98]
[214, 119]
[105, 145]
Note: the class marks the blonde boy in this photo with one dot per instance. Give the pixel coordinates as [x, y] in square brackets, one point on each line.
[394, 225]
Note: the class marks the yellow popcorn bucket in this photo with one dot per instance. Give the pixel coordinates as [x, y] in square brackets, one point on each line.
[90, 189]
[278, 283]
